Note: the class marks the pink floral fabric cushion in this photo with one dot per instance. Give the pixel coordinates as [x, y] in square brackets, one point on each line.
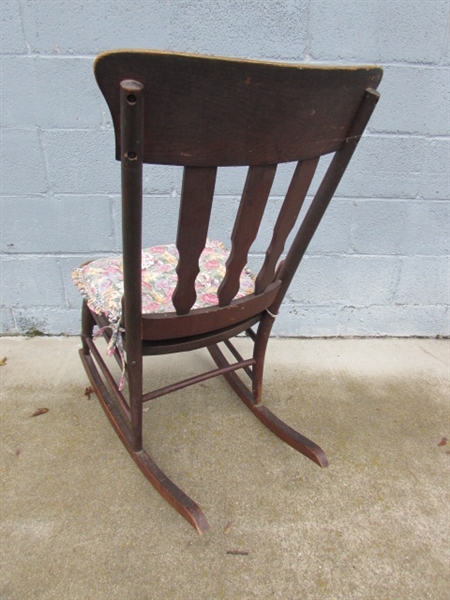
[101, 281]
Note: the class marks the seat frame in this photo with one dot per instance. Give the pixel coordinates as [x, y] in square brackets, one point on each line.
[188, 329]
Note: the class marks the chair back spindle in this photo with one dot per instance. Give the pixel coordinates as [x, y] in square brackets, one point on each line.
[251, 209]
[195, 211]
[287, 217]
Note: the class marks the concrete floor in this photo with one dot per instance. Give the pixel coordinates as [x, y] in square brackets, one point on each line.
[79, 521]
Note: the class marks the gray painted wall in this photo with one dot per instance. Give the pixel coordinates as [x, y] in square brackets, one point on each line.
[379, 264]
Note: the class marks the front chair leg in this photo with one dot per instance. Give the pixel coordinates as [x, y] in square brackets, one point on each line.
[87, 326]
[184, 505]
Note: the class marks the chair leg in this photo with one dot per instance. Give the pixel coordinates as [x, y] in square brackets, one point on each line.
[259, 353]
[168, 490]
[134, 368]
[278, 427]
[87, 326]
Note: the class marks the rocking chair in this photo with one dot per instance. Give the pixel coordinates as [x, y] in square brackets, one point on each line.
[202, 113]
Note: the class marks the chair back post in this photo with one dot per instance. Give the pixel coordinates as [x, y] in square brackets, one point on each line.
[131, 133]
[324, 195]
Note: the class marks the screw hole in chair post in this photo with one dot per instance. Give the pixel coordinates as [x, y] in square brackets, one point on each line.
[205, 113]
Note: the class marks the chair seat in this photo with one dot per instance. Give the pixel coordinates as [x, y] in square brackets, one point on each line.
[101, 281]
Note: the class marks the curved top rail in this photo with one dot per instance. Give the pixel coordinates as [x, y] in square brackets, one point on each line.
[208, 111]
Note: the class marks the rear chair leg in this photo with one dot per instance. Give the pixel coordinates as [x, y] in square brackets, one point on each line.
[259, 353]
[253, 399]
[135, 368]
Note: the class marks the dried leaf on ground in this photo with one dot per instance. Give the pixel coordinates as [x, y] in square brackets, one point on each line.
[19, 454]
[40, 411]
[88, 391]
[443, 442]
[3, 361]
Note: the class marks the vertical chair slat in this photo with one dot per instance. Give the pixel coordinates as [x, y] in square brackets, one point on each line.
[195, 211]
[251, 209]
[287, 217]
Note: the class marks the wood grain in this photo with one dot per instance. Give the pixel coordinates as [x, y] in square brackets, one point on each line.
[207, 111]
[195, 210]
[248, 219]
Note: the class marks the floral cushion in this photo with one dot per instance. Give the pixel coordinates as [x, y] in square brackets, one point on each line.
[101, 281]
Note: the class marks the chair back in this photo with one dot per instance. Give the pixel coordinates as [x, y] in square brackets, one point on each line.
[203, 113]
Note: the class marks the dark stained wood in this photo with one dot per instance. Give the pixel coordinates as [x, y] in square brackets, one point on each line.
[166, 326]
[168, 490]
[168, 389]
[278, 427]
[259, 352]
[202, 113]
[238, 356]
[194, 342]
[195, 210]
[87, 326]
[251, 209]
[293, 202]
[324, 194]
[132, 133]
[207, 111]
[109, 379]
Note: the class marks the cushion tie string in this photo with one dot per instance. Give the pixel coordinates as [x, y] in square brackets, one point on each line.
[115, 343]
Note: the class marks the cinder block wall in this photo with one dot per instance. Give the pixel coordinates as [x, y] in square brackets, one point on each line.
[379, 263]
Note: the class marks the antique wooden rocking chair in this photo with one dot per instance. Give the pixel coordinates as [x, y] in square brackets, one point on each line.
[202, 113]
